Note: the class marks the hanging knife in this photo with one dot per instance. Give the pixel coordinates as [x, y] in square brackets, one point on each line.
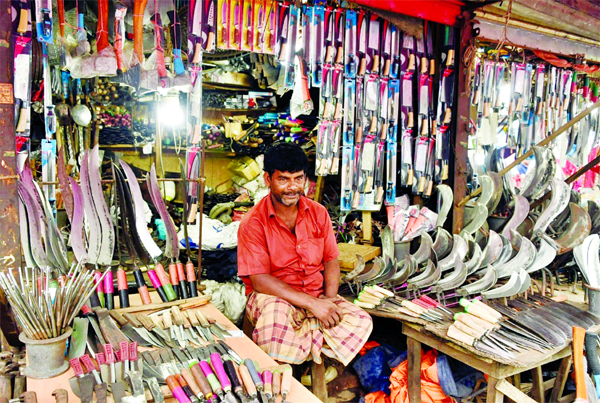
[350, 41]
[407, 69]
[284, 27]
[318, 39]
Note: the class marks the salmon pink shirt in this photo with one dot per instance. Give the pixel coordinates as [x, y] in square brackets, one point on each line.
[267, 246]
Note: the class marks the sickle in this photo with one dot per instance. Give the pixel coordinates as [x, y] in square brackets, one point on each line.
[447, 201]
[579, 228]
[544, 178]
[107, 246]
[586, 256]
[428, 277]
[487, 281]
[519, 214]
[558, 202]
[459, 250]
[497, 194]
[454, 279]
[443, 243]
[474, 263]
[479, 215]
[487, 190]
[529, 181]
[512, 286]
[360, 266]
[522, 259]
[543, 257]
[424, 251]
[493, 249]
[402, 275]
[171, 247]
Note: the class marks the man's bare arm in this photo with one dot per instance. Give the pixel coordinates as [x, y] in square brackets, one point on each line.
[325, 310]
[331, 276]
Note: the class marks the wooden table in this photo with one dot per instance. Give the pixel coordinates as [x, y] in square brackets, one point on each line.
[498, 386]
[241, 344]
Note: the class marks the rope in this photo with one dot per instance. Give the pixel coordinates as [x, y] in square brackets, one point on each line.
[504, 39]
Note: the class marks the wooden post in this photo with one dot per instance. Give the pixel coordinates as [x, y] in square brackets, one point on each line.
[317, 376]
[463, 106]
[367, 227]
[561, 378]
[493, 395]
[10, 247]
[414, 370]
[537, 385]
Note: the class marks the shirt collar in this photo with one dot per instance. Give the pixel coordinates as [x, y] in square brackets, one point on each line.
[302, 205]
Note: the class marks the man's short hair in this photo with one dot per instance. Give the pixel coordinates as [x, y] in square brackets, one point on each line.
[285, 157]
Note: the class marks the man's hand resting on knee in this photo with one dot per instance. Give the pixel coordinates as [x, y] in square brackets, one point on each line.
[326, 311]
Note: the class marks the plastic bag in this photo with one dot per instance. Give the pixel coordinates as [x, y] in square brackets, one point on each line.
[229, 298]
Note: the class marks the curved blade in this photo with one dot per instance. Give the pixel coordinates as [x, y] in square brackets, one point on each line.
[77, 234]
[459, 251]
[360, 266]
[544, 174]
[522, 259]
[487, 190]
[544, 256]
[443, 243]
[424, 252]
[512, 287]
[497, 195]
[408, 269]
[107, 246]
[474, 263]
[480, 215]
[447, 198]
[171, 247]
[586, 256]
[487, 281]
[519, 214]
[579, 228]
[529, 182]
[454, 279]
[140, 218]
[429, 277]
[493, 249]
[525, 281]
[561, 194]
[371, 273]
[94, 229]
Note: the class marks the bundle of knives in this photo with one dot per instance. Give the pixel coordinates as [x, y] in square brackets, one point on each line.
[212, 373]
[520, 104]
[373, 79]
[536, 324]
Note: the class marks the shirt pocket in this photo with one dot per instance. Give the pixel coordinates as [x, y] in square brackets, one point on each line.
[315, 251]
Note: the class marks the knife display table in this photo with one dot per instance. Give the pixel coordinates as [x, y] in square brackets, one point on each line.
[497, 373]
[241, 344]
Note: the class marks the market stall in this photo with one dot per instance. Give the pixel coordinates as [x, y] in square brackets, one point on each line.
[462, 158]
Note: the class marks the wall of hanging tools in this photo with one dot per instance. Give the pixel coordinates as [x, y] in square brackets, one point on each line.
[517, 101]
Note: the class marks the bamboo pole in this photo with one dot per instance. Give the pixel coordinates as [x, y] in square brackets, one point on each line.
[544, 142]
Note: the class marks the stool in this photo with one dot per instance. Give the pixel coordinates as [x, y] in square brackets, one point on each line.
[317, 371]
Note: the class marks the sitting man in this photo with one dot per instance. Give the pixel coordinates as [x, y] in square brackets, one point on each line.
[287, 257]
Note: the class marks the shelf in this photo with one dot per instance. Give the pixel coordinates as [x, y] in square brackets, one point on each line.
[167, 148]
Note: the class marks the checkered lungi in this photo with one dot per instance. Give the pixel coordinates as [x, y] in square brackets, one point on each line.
[293, 335]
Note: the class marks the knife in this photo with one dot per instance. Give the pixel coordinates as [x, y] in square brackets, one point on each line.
[270, 40]
[143, 333]
[248, 26]
[362, 42]
[339, 36]
[373, 52]
[407, 70]
[307, 15]
[318, 37]
[386, 49]
[393, 102]
[223, 24]
[351, 59]
[329, 33]
[151, 327]
[130, 331]
[256, 379]
[248, 383]
[284, 26]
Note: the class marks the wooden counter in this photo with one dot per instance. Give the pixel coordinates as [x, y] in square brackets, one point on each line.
[241, 344]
